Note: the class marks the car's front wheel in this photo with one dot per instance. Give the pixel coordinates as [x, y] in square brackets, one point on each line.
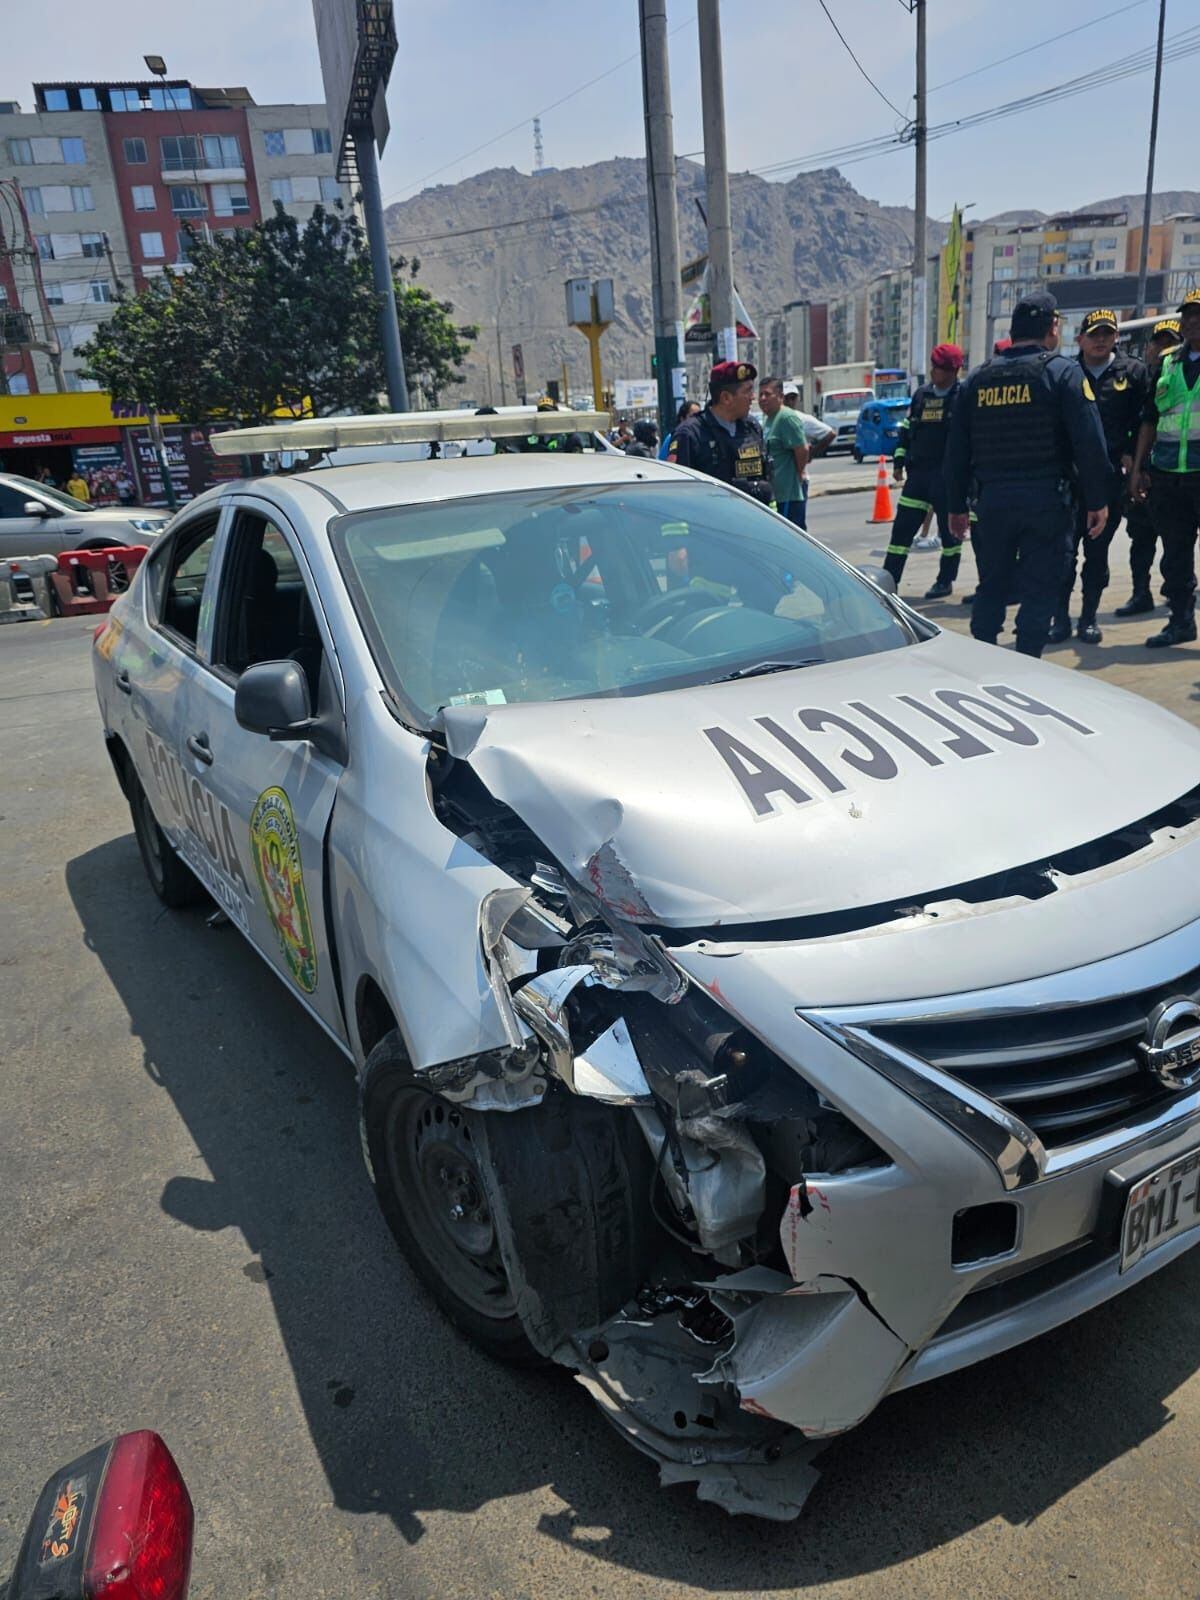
[172, 881]
[432, 1184]
[526, 1226]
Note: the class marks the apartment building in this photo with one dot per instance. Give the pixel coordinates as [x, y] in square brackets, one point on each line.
[846, 323]
[1004, 261]
[793, 339]
[110, 174]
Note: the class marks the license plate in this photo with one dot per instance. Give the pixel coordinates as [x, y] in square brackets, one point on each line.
[1161, 1207]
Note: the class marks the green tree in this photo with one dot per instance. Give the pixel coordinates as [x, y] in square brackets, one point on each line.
[274, 315]
[434, 348]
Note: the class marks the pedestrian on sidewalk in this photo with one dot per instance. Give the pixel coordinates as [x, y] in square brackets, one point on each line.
[1121, 385]
[77, 486]
[787, 446]
[1024, 426]
[918, 465]
[1139, 518]
[1169, 442]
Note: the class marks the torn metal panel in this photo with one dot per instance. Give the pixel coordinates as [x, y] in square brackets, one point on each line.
[609, 1070]
[640, 1374]
[542, 1003]
[816, 1358]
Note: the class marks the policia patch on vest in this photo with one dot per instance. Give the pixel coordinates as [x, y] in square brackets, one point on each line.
[1003, 394]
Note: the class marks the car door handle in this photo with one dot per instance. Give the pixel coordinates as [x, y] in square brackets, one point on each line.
[122, 682]
[199, 747]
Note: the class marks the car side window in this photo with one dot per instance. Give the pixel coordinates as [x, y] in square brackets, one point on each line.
[264, 610]
[177, 579]
[12, 501]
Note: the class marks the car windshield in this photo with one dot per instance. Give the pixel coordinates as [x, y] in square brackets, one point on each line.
[43, 491]
[547, 594]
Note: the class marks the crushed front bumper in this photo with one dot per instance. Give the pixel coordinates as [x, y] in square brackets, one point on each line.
[882, 1291]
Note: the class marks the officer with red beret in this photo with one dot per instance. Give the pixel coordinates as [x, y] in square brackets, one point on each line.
[723, 441]
[918, 464]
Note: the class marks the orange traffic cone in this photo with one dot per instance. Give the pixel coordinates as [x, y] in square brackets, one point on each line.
[884, 511]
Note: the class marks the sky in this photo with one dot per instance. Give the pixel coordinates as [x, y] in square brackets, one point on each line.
[470, 70]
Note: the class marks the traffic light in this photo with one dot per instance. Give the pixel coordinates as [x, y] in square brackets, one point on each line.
[654, 364]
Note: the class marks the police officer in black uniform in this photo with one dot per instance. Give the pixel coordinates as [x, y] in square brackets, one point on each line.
[1120, 383]
[918, 462]
[1025, 426]
[722, 440]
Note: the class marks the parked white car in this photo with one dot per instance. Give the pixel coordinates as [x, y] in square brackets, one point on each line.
[36, 519]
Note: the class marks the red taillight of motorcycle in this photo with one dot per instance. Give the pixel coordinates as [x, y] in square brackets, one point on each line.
[141, 1542]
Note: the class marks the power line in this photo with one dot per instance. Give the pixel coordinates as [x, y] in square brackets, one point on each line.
[517, 126]
[519, 222]
[859, 64]
[1182, 44]
[1041, 44]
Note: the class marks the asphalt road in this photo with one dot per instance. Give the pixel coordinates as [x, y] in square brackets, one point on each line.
[190, 1244]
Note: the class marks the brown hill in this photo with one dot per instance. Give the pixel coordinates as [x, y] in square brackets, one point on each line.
[515, 238]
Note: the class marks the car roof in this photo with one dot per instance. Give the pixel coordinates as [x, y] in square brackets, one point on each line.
[382, 483]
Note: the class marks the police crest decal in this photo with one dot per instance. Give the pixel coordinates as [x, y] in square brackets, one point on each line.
[275, 846]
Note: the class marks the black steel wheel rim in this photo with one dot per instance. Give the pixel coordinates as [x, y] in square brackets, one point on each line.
[435, 1171]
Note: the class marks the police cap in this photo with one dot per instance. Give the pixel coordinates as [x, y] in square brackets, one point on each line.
[1034, 315]
[1191, 301]
[728, 374]
[1096, 320]
[1167, 328]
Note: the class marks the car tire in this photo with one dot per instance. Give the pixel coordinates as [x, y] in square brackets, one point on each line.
[171, 879]
[549, 1235]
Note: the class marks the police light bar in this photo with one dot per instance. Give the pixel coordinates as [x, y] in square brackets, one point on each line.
[403, 427]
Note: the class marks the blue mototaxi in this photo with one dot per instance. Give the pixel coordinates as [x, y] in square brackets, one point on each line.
[878, 430]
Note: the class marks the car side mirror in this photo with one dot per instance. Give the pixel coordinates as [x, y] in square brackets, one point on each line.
[35, 508]
[272, 698]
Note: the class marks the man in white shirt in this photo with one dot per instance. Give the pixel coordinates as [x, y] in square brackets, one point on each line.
[818, 434]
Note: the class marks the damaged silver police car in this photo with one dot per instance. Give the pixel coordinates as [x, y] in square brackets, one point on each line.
[601, 817]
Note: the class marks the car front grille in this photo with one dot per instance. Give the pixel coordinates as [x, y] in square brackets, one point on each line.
[1069, 1072]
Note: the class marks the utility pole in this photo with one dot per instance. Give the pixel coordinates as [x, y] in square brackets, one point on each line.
[500, 359]
[716, 183]
[664, 220]
[381, 268]
[1144, 259]
[917, 354]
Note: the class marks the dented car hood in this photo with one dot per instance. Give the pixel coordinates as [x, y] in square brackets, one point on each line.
[813, 791]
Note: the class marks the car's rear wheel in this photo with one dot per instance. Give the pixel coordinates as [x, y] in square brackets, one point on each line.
[172, 881]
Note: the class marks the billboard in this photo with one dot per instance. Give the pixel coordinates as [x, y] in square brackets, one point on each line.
[357, 44]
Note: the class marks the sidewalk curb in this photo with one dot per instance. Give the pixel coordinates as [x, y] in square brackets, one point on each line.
[843, 488]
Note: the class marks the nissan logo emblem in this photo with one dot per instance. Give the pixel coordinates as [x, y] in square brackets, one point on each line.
[1171, 1050]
